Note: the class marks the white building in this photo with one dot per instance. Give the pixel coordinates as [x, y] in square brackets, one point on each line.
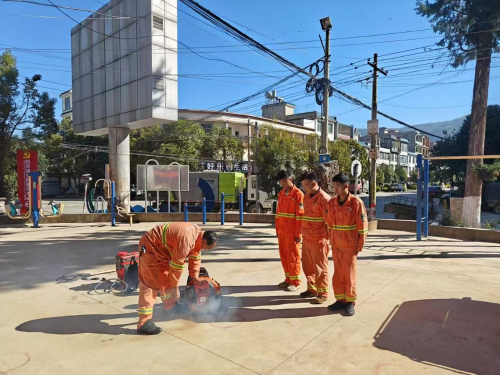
[243, 125]
[67, 104]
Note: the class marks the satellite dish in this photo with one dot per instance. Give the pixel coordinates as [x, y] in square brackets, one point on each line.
[269, 95]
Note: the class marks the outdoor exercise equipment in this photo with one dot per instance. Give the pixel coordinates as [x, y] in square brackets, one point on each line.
[35, 210]
[101, 203]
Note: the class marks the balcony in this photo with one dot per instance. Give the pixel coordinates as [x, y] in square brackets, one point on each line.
[395, 150]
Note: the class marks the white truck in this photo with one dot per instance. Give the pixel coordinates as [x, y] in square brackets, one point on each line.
[210, 185]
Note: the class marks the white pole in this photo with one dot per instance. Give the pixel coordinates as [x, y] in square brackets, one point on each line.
[146, 188]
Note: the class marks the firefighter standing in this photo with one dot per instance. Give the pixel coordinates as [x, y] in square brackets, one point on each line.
[347, 223]
[163, 252]
[315, 245]
[288, 220]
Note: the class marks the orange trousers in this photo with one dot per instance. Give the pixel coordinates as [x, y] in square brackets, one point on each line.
[344, 276]
[315, 264]
[290, 258]
[153, 276]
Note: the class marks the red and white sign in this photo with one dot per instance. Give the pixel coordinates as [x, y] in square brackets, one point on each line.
[27, 161]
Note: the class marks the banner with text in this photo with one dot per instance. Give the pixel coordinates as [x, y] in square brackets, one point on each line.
[27, 161]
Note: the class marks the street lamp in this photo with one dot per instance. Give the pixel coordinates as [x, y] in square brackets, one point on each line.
[326, 23]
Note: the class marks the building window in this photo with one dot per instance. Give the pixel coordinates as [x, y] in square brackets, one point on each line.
[330, 128]
[158, 22]
[319, 126]
[67, 104]
[236, 133]
[207, 127]
[158, 83]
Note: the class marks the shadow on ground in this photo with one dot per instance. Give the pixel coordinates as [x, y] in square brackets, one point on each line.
[234, 309]
[463, 335]
[75, 324]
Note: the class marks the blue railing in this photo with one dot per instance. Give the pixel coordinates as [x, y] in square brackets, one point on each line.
[241, 206]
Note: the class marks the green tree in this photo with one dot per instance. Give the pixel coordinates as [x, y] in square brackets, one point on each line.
[180, 142]
[184, 142]
[280, 150]
[75, 155]
[470, 30]
[380, 175]
[220, 144]
[388, 173]
[414, 176]
[401, 174]
[345, 151]
[25, 114]
[455, 170]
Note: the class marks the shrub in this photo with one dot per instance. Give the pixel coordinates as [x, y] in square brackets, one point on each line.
[446, 220]
[490, 224]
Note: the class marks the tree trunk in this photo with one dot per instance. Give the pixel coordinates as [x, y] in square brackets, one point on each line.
[3, 170]
[471, 214]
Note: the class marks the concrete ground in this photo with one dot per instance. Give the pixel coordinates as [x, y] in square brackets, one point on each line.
[431, 307]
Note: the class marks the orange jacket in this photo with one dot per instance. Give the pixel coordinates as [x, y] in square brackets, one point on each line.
[313, 223]
[347, 224]
[289, 212]
[171, 244]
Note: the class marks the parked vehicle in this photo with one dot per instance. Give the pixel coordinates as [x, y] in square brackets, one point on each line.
[51, 189]
[491, 196]
[359, 189]
[405, 208]
[436, 192]
[214, 183]
[396, 187]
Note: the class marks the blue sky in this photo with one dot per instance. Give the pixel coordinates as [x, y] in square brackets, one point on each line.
[418, 89]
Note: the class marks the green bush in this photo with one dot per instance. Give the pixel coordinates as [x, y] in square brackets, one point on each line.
[446, 220]
[386, 188]
[490, 224]
[379, 189]
[413, 187]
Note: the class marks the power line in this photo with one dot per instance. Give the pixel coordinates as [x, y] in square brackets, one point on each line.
[366, 106]
[57, 6]
[239, 35]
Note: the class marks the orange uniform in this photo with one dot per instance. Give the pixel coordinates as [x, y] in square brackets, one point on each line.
[315, 245]
[348, 227]
[164, 250]
[288, 222]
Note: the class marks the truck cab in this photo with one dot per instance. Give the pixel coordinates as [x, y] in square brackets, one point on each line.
[266, 204]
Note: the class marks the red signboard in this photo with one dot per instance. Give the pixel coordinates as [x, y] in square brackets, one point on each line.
[27, 161]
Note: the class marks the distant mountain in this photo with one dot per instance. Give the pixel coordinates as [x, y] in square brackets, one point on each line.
[433, 127]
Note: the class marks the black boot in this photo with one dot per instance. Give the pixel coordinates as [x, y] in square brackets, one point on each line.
[149, 328]
[339, 305]
[349, 309]
[307, 294]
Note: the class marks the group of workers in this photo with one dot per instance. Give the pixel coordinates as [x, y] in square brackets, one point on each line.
[319, 221]
[314, 219]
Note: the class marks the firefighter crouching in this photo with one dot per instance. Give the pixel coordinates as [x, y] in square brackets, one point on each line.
[163, 252]
[347, 223]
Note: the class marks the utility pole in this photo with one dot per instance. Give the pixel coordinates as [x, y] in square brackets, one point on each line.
[374, 146]
[256, 169]
[326, 25]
